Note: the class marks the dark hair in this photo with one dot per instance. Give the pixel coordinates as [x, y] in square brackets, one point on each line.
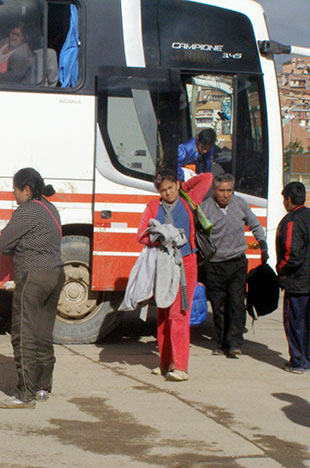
[223, 178]
[32, 178]
[164, 174]
[296, 191]
[207, 137]
[22, 26]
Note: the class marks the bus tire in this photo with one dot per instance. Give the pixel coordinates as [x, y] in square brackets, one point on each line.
[83, 316]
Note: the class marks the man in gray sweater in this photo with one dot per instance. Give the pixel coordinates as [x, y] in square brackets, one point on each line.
[225, 273]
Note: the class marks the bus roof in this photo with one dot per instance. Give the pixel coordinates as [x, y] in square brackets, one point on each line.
[247, 7]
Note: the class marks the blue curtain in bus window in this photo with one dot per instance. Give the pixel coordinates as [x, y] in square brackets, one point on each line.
[69, 54]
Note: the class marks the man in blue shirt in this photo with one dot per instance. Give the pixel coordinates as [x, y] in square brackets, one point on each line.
[198, 151]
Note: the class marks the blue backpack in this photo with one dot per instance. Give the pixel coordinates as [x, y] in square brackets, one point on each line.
[199, 308]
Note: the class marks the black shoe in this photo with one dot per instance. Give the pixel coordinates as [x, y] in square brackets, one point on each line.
[294, 370]
[218, 352]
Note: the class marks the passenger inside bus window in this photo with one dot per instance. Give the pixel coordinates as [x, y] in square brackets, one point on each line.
[15, 56]
[198, 155]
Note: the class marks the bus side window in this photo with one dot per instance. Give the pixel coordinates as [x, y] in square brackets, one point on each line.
[63, 43]
[30, 53]
[130, 147]
[210, 105]
[251, 158]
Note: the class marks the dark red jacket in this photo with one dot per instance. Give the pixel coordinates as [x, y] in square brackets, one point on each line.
[293, 251]
[196, 187]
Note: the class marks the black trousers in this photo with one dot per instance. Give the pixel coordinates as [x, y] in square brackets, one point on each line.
[33, 316]
[296, 319]
[225, 286]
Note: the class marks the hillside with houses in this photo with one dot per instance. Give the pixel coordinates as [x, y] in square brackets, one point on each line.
[294, 87]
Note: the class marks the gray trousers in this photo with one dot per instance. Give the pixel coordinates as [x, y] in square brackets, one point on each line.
[33, 316]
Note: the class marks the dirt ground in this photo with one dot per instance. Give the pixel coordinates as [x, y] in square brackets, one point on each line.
[107, 409]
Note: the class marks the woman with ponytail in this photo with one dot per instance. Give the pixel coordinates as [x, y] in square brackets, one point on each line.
[33, 237]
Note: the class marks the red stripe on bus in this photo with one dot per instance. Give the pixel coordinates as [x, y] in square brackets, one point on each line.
[72, 197]
[5, 214]
[131, 219]
[6, 269]
[119, 269]
[116, 242]
[100, 198]
[7, 196]
[122, 198]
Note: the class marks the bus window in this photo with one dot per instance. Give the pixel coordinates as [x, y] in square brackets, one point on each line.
[39, 45]
[63, 39]
[142, 128]
[128, 141]
[210, 104]
[234, 107]
[20, 32]
[251, 164]
[139, 120]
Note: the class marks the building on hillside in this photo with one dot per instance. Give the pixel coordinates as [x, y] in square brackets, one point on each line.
[300, 172]
[294, 88]
[297, 66]
[293, 131]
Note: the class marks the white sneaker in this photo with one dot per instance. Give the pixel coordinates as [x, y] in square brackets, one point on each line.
[13, 403]
[177, 375]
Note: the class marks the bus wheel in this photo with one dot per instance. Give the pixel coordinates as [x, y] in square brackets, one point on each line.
[83, 316]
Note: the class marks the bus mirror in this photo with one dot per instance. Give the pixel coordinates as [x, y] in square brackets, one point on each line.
[273, 47]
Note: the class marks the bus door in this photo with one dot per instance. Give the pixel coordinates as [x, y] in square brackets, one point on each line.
[137, 131]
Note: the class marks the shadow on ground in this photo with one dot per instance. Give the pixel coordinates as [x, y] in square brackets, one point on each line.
[204, 336]
[114, 432]
[124, 345]
[297, 411]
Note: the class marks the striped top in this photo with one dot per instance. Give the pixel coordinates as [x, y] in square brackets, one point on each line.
[33, 237]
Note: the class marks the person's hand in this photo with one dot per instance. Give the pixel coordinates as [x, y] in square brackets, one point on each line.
[281, 281]
[264, 256]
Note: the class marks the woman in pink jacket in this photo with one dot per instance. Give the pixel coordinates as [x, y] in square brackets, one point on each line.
[173, 332]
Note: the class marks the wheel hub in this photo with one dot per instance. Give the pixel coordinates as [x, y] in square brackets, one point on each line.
[74, 302]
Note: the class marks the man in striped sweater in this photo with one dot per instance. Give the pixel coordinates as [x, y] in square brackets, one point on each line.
[226, 272]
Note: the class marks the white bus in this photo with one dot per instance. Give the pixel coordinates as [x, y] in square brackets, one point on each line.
[111, 89]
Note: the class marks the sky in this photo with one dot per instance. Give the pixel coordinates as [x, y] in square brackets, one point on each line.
[288, 22]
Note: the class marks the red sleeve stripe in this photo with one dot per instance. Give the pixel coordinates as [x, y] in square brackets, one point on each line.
[288, 245]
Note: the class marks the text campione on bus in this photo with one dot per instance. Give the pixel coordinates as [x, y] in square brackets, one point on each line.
[97, 94]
